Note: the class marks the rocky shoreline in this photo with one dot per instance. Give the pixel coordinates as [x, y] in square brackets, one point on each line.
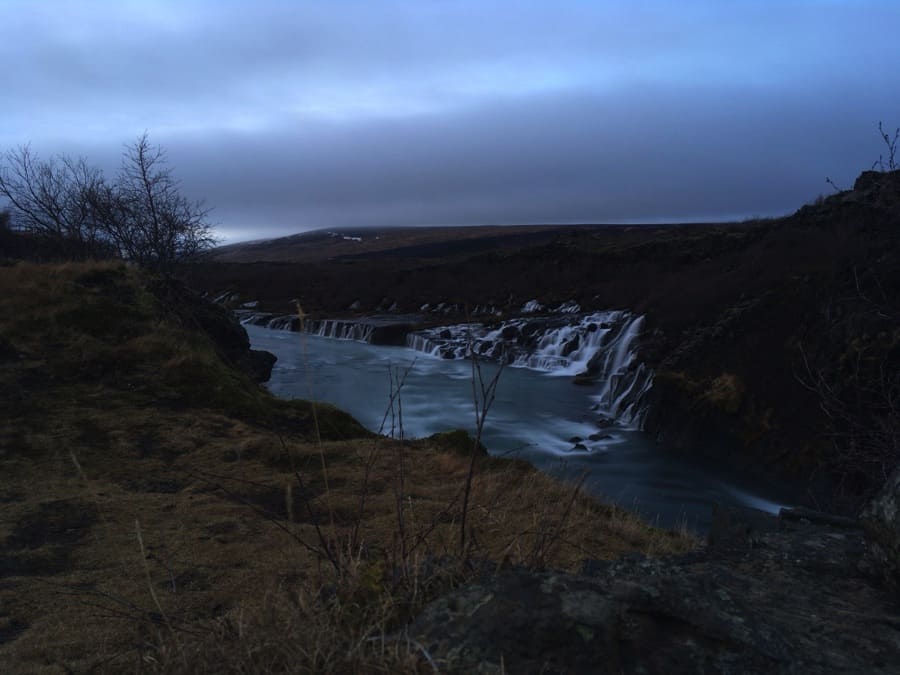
[802, 592]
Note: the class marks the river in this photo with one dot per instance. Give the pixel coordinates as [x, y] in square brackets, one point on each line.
[538, 416]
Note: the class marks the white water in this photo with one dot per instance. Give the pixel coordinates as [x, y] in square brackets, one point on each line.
[536, 416]
[560, 347]
[341, 330]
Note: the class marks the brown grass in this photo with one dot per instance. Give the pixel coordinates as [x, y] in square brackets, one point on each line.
[169, 523]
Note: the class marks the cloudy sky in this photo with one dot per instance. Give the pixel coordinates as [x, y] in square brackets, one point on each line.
[288, 116]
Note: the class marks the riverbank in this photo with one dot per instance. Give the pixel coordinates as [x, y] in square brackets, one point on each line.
[537, 415]
[154, 495]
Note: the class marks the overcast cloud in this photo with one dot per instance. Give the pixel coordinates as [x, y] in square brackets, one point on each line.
[289, 116]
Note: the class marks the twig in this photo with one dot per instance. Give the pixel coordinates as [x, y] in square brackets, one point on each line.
[488, 394]
[137, 530]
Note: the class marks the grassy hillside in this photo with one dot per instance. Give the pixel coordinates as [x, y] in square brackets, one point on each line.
[162, 511]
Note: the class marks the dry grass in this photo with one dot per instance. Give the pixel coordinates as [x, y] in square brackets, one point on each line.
[161, 512]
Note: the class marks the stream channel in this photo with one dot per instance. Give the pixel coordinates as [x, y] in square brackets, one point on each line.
[538, 416]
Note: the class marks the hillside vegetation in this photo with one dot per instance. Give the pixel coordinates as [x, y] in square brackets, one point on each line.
[162, 511]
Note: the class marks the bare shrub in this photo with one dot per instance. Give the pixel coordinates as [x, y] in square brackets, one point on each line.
[146, 215]
[141, 216]
[52, 200]
[855, 374]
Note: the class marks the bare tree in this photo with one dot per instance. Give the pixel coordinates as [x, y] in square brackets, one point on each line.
[142, 216]
[146, 214]
[51, 199]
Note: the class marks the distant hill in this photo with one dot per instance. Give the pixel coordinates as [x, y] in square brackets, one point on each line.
[410, 242]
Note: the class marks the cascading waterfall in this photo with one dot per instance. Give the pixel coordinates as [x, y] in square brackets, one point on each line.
[602, 346]
[624, 381]
[331, 328]
[340, 330]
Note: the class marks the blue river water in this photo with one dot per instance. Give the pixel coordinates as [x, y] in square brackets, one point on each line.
[537, 416]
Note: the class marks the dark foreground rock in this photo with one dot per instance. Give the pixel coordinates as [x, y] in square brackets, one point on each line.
[772, 595]
[881, 520]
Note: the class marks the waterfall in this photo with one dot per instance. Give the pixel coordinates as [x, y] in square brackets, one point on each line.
[340, 330]
[624, 381]
[331, 328]
[601, 346]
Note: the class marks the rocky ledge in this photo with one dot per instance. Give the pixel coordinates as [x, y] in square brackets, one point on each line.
[220, 326]
[789, 594]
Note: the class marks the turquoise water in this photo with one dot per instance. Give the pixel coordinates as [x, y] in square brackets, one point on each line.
[536, 416]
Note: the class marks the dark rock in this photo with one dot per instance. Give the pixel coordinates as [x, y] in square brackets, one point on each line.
[576, 439]
[877, 189]
[881, 521]
[570, 346]
[736, 526]
[792, 602]
[532, 327]
[258, 364]
[579, 446]
[599, 437]
[509, 332]
[818, 517]
[386, 333]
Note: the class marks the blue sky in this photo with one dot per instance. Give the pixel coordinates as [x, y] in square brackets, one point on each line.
[289, 116]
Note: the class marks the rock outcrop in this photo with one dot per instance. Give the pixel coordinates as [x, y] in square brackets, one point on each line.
[881, 521]
[218, 323]
[773, 595]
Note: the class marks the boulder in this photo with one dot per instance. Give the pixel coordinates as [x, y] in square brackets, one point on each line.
[570, 346]
[510, 332]
[881, 522]
[787, 599]
[258, 364]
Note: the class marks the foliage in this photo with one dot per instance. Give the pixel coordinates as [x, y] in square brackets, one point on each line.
[145, 213]
[51, 199]
[141, 215]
